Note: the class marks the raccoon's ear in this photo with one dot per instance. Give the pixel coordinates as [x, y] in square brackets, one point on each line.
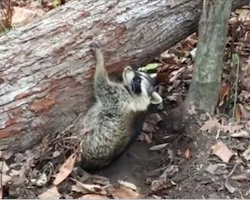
[156, 98]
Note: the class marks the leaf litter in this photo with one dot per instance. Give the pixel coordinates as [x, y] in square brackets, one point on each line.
[65, 169]
[51, 193]
[127, 184]
[125, 193]
[93, 196]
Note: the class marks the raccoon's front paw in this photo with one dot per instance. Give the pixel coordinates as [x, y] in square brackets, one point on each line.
[95, 46]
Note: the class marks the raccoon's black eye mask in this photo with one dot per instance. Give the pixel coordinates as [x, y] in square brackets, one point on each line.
[136, 85]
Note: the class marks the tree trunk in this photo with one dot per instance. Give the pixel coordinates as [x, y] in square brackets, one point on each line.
[206, 82]
[46, 67]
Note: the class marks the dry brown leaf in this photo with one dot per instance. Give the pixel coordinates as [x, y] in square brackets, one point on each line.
[239, 177]
[170, 58]
[86, 188]
[248, 125]
[188, 45]
[127, 184]
[176, 74]
[244, 14]
[192, 39]
[79, 188]
[244, 75]
[33, 5]
[148, 127]
[158, 147]
[245, 112]
[231, 128]
[229, 186]
[222, 151]
[155, 118]
[161, 184]
[155, 197]
[237, 112]
[162, 77]
[4, 167]
[241, 134]
[210, 125]
[187, 154]
[245, 94]
[147, 138]
[224, 91]
[22, 16]
[125, 193]
[1, 192]
[246, 154]
[93, 196]
[100, 180]
[193, 52]
[51, 193]
[14, 172]
[186, 48]
[56, 154]
[65, 169]
[5, 179]
[18, 177]
[141, 138]
[217, 169]
[18, 180]
[170, 171]
[233, 20]
[211, 168]
[174, 97]
[40, 12]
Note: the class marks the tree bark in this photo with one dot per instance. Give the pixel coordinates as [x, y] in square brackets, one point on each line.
[46, 67]
[206, 81]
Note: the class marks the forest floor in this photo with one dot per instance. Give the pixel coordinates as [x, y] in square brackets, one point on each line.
[210, 159]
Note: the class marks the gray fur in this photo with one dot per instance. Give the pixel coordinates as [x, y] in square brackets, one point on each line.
[110, 119]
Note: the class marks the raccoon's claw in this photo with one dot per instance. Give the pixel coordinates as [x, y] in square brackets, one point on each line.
[96, 50]
[94, 46]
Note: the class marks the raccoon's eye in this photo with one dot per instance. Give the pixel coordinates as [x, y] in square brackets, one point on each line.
[136, 85]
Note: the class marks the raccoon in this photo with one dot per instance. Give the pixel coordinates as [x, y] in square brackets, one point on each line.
[110, 121]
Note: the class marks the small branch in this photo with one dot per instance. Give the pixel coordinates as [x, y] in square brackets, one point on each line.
[236, 62]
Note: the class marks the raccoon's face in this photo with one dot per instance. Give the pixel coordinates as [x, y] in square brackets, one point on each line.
[140, 84]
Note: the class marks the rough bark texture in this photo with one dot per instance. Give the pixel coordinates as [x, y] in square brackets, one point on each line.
[46, 67]
[206, 80]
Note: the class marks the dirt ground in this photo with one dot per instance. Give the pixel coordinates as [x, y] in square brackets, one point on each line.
[195, 177]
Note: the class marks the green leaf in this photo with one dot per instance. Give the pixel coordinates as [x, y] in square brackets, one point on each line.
[150, 67]
[235, 59]
[56, 3]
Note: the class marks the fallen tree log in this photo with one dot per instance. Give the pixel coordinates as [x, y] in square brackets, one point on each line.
[46, 67]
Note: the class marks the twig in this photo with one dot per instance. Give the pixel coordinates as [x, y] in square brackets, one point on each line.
[1, 177]
[235, 57]
[5, 29]
[232, 171]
